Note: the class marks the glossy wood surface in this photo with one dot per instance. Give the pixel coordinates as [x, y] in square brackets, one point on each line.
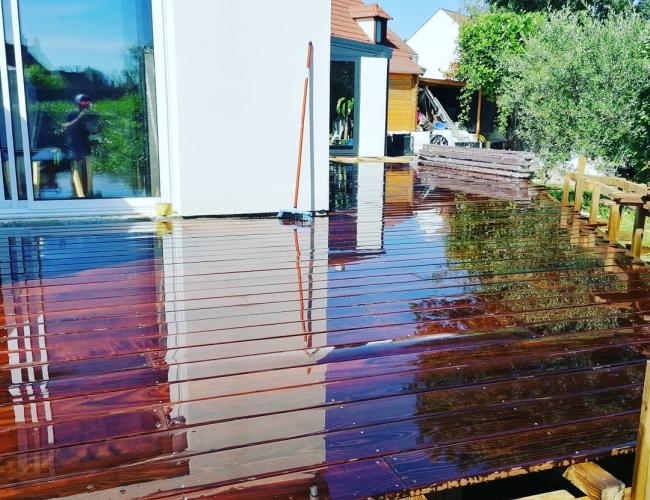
[424, 335]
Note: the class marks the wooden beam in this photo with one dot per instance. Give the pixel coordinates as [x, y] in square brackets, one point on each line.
[595, 204]
[566, 190]
[640, 216]
[627, 496]
[440, 82]
[614, 223]
[622, 184]
[553, 495]
[478, 114]
[582, 165]
[637, 243]
[640, 483]
[595, 482]
[580, 191]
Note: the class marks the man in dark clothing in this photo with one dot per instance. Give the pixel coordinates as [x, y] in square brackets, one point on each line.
[78, 126]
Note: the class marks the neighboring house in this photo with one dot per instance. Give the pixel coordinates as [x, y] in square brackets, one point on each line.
[190, 102]
[436, 43]
[360, 53]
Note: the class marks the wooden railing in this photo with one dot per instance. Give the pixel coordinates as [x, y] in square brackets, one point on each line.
[614, 192]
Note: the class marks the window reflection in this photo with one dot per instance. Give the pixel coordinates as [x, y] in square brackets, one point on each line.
[4, 157]
[13, 101]
[342, 104]
[88, 71]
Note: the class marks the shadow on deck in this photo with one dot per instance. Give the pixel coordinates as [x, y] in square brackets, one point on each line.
[429, 333]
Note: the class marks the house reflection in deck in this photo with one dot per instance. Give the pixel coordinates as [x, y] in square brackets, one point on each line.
[422, 333]
[64, 352]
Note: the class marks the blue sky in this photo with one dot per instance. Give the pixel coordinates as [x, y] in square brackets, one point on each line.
[409, 15]
[81, 33]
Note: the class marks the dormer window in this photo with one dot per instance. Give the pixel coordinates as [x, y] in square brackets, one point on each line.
[380, 30]
[373, 20]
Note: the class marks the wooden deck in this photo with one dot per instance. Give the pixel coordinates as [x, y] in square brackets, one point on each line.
[429, 333]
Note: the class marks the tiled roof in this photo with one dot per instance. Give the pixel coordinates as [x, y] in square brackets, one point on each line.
[344, 26]
[403, 56]
[366, 11]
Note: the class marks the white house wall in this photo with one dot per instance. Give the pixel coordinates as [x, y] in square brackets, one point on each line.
[372, 110]
[436, 43]
[234, 87]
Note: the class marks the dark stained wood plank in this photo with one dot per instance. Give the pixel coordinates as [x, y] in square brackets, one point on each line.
[490, 459]
[261, 445]
[220, 358]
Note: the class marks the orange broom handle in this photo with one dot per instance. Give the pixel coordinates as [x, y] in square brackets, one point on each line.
[310, 49]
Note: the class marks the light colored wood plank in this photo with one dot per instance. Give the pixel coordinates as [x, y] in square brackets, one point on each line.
[566, 190]
[402, 103]
[595, 204]
[614, 223]
[595, 481]
[637, 243]
[553, 495]
[582, 165]
[640, 483]
[580, 191]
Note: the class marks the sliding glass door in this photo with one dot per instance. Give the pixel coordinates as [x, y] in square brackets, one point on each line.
[344, 101]
[79, 101]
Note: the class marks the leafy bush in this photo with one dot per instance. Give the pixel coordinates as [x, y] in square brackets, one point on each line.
[120, 146]
[581, 87]
[43, 79]
[598, 8]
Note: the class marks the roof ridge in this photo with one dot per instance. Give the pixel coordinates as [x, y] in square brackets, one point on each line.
[454, 12]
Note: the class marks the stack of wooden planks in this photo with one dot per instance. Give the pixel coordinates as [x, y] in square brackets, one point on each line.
[482, 163]
[500, 188]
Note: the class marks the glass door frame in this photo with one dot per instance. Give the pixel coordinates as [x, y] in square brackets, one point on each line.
[12, 182]
[89, 206]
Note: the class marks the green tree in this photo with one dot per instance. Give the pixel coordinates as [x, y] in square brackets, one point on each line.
[581, 87]
[484, 42]
[43, 79]
[597, 8]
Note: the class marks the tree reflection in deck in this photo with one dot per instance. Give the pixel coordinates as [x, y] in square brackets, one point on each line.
[427, 331]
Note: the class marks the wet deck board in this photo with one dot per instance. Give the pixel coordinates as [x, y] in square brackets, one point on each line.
[414, 339]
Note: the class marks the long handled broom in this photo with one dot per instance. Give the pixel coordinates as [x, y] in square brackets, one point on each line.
[295, 214]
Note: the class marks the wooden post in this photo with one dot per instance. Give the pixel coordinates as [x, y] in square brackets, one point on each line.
[637, 231]
[566, 190]
[478, 114]
[639, 218]
[637, 243]
[580, 191]
[614, 223]
[595, 204]
[640, 483]
[580, 183]
[553, 495]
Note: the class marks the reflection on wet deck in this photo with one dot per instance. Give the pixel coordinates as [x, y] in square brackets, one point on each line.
[428, 330]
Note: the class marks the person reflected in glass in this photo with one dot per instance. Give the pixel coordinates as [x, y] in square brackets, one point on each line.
[78, 127]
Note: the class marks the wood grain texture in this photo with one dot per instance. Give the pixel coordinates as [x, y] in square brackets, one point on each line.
[553, 495]
[432, 331]
[595, 482]
[402, 102]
